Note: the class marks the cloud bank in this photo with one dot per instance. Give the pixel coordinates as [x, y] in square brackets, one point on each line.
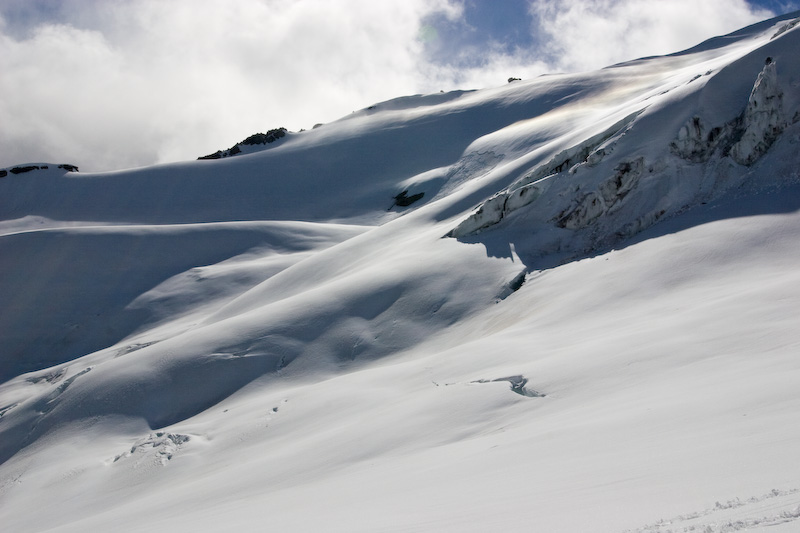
[586, 34]
[108, 85]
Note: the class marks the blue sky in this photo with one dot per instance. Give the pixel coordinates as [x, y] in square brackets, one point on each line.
[513, 27]
[112, 84]
[776, 6]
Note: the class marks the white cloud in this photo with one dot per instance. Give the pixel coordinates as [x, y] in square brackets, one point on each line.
[117, 84]
[579, 35]
[133, 83]
[591, 34]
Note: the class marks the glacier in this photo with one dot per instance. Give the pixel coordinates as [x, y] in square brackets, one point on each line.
[569, 303]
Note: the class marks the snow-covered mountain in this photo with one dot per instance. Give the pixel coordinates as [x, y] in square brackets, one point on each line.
[565, 304]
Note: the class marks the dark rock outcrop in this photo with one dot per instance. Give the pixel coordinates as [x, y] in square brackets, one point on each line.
[403, 200]
[255, 139]
[20, 170]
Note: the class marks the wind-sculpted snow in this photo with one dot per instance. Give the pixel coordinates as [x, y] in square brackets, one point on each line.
[71, 291]
[472, 311]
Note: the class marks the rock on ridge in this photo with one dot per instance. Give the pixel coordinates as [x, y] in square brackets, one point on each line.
[22, 169]
[255, 139]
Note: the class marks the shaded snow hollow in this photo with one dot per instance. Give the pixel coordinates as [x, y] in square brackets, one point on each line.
[565, 304]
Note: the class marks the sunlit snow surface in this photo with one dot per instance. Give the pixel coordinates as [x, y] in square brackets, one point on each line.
[588, 321]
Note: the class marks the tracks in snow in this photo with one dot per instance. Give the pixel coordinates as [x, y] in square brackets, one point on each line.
[775, 508]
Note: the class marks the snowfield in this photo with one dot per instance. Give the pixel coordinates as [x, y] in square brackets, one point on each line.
[570, 303]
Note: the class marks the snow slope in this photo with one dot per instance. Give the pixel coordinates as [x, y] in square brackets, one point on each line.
[585, 320]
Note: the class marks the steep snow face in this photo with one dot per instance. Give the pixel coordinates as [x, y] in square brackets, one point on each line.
[585, 189]
[747, 137]
[465, 311]
[764, 118]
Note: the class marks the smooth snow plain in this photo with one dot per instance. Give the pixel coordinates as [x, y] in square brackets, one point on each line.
[588, 322]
